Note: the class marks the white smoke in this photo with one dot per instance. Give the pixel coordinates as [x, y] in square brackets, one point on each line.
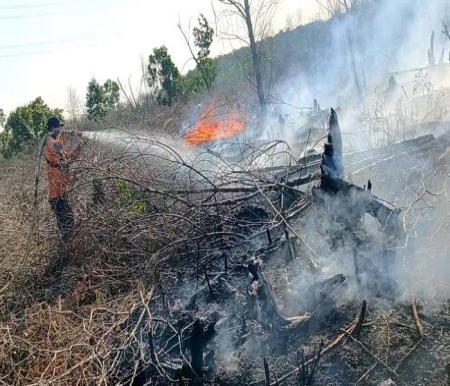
[371, 43]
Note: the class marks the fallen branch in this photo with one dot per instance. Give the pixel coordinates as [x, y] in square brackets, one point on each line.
[340, 338]
[372, 355]
[416, 317]
[364, 376]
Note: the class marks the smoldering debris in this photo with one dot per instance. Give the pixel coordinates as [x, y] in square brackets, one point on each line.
[219, 273]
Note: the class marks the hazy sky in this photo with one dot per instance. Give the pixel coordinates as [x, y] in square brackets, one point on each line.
[47, 46]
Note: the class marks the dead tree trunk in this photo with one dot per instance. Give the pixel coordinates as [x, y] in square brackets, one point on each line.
[196, 347]
[354, 67]
[336, 139]
[431, 59]
[255, 55]
[198, 340]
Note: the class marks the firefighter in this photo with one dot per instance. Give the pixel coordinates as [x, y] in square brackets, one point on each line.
[59, 158]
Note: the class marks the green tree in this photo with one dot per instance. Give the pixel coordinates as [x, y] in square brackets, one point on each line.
[164, 76]
[2, 118]
[111, 94]
[100, 99]
[204, 73]
[24, 125]
[95, 101]
[5, 149]
[203, 37]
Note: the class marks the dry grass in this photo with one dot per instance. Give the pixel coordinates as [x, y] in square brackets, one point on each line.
[90, 325]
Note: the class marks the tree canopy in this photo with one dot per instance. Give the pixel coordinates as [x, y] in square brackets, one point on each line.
[26, 124]
[2, 118]
[203, 35]
[164, 76]
[101, 98]
[203, 38]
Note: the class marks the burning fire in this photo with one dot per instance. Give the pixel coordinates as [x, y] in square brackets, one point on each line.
[210, 128]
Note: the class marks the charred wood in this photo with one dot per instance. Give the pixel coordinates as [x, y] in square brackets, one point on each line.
[308, 368]
[268, 311]
[361, 318]
[341, 338]
[216, 285]
[211, 292]
[266, 372]
[321, 297]
[202, 332]
[335, 139]
[362, 201]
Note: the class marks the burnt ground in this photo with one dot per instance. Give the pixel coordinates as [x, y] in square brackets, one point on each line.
[143, 294]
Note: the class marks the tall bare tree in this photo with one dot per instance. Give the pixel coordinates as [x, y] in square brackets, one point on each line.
[74, 104]
[334, 7]
[253, 20]
[337, 7]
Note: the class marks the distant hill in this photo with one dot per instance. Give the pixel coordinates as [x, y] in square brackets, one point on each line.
[314, 60]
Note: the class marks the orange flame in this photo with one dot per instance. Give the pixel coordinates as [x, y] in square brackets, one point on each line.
[209, 128]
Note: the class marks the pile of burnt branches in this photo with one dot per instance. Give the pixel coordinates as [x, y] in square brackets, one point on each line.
[145, 214]
[160, 203]
[170, 253]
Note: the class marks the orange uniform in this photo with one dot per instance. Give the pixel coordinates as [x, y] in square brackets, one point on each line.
[58, 159]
